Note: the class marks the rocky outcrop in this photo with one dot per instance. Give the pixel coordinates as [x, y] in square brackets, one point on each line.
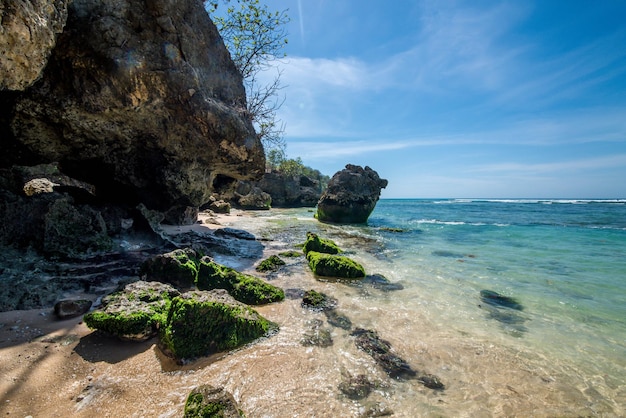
[290, 191]
[351, 195]
[28, 34]
[139, 99]
[249, 196]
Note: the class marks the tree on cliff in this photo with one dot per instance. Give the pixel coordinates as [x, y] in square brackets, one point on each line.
[255, 37]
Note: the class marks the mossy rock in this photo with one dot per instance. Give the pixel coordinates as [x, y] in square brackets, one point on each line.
[330, 265]
[318, 301]
[291, 253]
[134, 313]
[203, 323]
[272, 263]
[243, 287]
[179, 268]
[321, 245]
[207, 401]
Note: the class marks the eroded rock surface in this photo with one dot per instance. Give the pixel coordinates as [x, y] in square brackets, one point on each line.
[139, 99]
[28, 33]
[351, 195]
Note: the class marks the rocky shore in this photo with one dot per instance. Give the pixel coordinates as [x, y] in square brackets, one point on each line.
[60, 367]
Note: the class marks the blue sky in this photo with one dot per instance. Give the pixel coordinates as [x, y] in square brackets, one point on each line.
[461, 98]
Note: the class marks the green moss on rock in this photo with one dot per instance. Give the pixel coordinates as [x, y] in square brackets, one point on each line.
[179, 268]
[291, 253]
[321, 245]
[209, 402]
[204, 323]
[272, 263]
[243, 287]
[134, 313]
[330, 265]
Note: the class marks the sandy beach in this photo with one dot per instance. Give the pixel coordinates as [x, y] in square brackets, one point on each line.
[53, 368]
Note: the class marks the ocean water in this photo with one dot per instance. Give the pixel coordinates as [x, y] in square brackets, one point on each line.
[557, 349]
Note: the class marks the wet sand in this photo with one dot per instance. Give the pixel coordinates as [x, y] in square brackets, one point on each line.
[53, 368]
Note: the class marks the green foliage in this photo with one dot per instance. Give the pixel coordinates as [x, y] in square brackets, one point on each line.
[272, 263]
[243, 287]
[197, 327]
[330, 265]
[255, 37]
[321, 245]
[276, 161]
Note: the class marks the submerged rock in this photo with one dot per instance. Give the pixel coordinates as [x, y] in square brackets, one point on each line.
[330, 265]
[272, 263]
[202, 323]
[351, 195]
[338, 320]
[318, 301]
[380, 350]
[134, 313]
[357, 387]
[317, 335]
[380, 282]
[243, 287]
[495, 299]
[206, 401]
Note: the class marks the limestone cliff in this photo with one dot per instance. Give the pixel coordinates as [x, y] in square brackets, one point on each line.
[27, 35]
[138, 98]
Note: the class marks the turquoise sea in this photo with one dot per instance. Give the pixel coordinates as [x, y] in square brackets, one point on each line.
[559, 350]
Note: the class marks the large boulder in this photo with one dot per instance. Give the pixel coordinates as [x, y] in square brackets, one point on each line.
[204, 323]
[178, 268]
[28, 33]
[134, 313]
[139, 98]
[351, 195]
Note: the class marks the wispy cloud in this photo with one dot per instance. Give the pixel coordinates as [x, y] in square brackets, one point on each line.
[584, 164]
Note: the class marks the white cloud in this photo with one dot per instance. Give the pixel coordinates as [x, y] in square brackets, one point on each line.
[595, 163]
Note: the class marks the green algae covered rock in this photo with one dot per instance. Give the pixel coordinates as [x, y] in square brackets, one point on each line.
[291, 253]
[243, 287]
[201, 323]
[134, 313]
[178, 268]
[272, 263]
[206, 401]
[330, 265]
[321, 245]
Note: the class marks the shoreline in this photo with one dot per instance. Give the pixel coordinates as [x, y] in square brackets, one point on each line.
[71, 371]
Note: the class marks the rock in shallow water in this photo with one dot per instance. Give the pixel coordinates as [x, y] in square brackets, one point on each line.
[351, 195]
[203, 323]
[206, 401]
